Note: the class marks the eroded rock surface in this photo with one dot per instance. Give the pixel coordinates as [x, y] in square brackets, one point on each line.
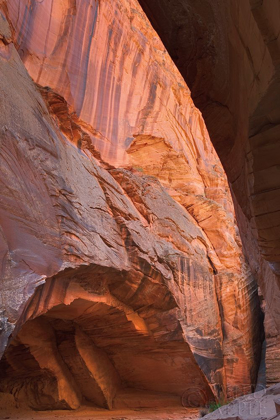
[262, 405]
[119, 241]
[228, 53]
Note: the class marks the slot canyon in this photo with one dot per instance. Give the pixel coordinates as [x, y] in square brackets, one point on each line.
[140, 209]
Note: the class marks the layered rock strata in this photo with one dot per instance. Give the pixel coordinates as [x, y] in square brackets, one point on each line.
[228, 53]
[122, 266]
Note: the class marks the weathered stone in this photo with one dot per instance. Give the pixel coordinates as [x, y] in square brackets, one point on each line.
[117, 221]
[228, 52]
[261, 405]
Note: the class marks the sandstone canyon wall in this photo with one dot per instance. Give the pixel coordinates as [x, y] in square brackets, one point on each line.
[122, 266]
[228, 53]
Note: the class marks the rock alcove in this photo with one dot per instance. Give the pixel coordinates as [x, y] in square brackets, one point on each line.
[80, 344]
[124, 278]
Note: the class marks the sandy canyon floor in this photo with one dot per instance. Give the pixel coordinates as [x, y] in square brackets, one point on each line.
[88, 413]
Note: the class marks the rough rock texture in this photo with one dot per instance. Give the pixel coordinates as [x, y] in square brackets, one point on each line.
[262, 405]
[119, 244]
[229, 54]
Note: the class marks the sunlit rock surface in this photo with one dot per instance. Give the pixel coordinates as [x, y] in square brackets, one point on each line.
[119, 243]
[229, 54]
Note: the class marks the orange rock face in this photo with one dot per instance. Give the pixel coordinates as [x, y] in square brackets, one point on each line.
[119, 241]
[228, 53]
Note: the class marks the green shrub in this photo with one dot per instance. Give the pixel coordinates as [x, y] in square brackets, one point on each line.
[215, 405]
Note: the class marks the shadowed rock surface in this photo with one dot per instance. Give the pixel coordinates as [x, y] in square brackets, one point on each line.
[228, 53]
[122, 267]
[262, 405]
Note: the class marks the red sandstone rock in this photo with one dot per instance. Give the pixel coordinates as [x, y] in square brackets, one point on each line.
[228, 53]
[118, 225]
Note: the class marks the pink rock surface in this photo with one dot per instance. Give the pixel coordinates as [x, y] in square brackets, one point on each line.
[229, 53]
[117, 218]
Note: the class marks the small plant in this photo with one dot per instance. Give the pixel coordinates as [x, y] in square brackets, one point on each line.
[215, 405]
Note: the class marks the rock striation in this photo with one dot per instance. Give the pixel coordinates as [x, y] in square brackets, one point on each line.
[228, 53]
[122, 266]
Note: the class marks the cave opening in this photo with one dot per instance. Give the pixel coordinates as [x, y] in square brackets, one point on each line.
[82, 346]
